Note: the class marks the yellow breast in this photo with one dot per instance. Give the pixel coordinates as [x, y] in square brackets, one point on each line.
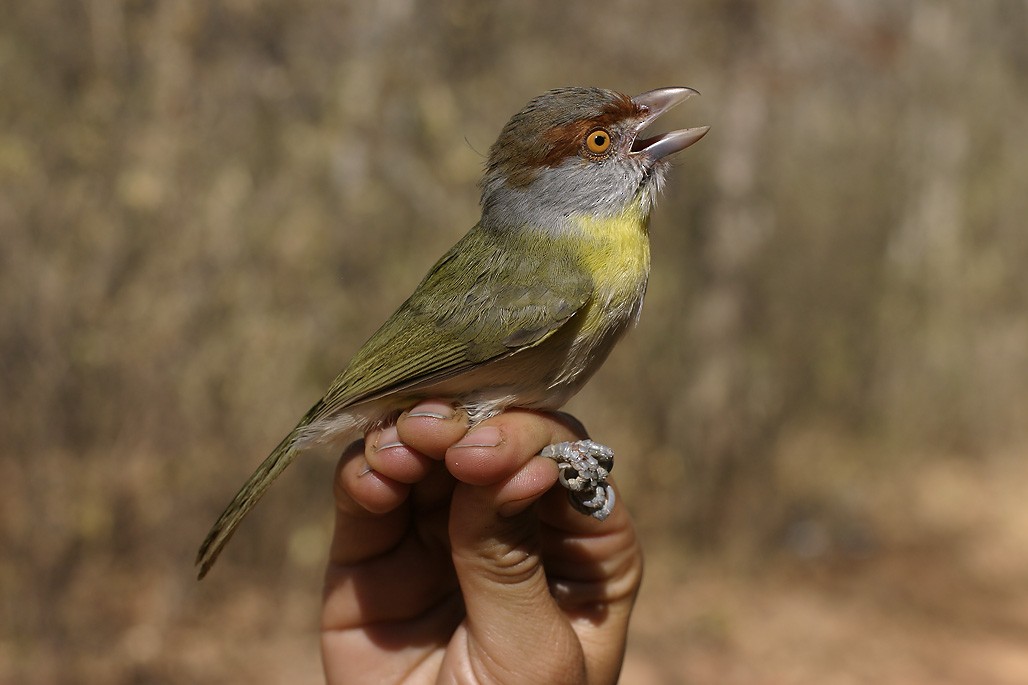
[616, 251]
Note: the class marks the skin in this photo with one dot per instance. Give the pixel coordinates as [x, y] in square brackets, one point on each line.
[454, 561]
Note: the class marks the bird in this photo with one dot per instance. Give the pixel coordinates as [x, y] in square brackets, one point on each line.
[527, 305]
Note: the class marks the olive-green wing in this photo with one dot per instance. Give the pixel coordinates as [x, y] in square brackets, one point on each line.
[492, 295]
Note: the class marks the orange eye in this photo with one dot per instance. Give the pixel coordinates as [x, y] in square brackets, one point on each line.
[598, 141]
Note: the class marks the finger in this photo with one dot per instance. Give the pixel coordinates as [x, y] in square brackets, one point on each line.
[405, 452]
[495, 449]
[594, 570]
[497, 555]
[378, 481]
[589, 562]
[368, 514]
[431, 427]
[368, 578]
[374, 510]
[388, 456]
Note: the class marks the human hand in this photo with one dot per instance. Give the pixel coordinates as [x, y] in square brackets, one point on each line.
[453, 560]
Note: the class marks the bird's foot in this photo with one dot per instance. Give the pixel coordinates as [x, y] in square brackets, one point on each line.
[584, 466]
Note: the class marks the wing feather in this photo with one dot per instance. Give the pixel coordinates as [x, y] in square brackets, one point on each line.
[494, 294]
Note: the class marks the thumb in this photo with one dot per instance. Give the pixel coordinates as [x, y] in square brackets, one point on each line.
[515, 631]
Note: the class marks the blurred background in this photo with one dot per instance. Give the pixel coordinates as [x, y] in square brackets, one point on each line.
[205, 207]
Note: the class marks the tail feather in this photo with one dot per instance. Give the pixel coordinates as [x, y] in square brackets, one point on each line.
[245, 499]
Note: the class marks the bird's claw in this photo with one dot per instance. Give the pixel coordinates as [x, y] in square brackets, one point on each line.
[584, 466]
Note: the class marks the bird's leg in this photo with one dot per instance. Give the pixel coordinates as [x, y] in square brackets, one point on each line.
[584, 466]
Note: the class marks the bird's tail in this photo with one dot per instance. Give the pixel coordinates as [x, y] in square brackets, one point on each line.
[246, 498]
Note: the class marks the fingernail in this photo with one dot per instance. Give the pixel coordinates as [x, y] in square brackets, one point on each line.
[365, 471]
[433, 410]
[486, 436]
[388, 438]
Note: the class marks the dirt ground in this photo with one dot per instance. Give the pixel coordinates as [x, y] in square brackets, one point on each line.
[948, 606]
[941, 598]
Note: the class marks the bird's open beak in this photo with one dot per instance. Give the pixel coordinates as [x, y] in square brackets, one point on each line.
[656, 102]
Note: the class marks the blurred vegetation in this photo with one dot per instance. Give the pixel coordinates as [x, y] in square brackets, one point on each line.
[205, 207]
